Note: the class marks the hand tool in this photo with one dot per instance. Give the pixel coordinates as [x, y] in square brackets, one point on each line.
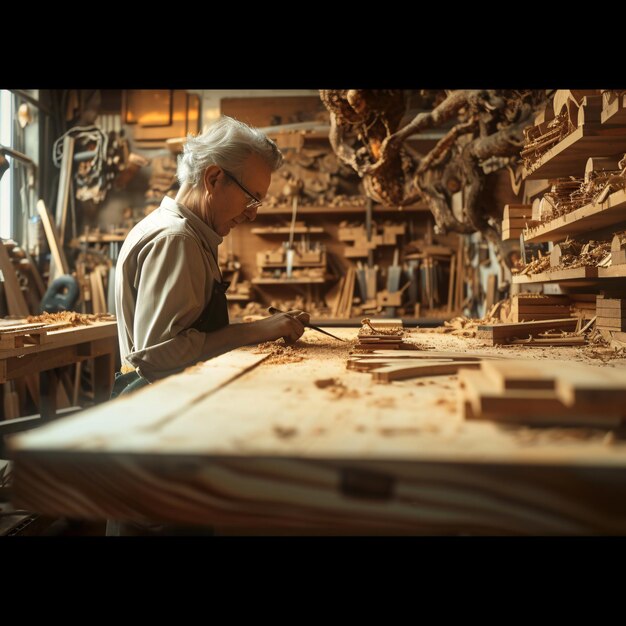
[275, 310]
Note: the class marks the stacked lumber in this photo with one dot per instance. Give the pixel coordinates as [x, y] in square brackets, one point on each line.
[530, 333]
[341, 306]
[528, 307]
[583, 305]
[515, 218]
[382, 334]
[611, 313]
[543, 393]
[92, 274]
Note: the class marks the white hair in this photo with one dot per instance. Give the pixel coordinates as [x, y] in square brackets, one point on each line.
[226, 143]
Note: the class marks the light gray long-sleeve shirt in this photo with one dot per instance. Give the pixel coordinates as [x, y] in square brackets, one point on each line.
[164, 279]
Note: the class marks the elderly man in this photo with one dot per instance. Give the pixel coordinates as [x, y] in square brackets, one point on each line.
[169, 293]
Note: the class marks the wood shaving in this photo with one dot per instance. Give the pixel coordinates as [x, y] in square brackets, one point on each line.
[338, 389]
[460, 326]
[279, 352]
[285, 432]
[368, 329]
[70, 317]
[322, 383]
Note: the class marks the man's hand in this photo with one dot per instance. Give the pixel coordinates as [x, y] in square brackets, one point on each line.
[286, 325]
[301, 316]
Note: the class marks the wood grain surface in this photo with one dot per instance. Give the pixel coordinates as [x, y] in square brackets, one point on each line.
[311, 447]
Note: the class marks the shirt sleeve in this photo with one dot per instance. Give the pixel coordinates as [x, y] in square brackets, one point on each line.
[170, 288]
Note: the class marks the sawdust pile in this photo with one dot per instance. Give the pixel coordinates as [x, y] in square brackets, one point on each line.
[279, 352]
[603, 349]
[71, 318]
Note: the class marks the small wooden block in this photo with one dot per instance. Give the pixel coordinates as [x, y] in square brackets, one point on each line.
[596, 389]
[366, 365]
[408, 370]
[518, 375]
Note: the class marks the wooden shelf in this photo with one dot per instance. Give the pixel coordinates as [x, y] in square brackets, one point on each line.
[103, 238]
[285, 230]
[578, 276]
[236, 297]
[587, 218]
[615, 271]
[569, 156]
[558, 276]
[288, 281]
[304, 210]
[278, 265]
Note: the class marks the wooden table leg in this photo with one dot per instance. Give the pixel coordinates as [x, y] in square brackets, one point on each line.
[104, 376]
[48, 394]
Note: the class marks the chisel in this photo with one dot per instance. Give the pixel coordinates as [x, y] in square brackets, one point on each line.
[275, 310]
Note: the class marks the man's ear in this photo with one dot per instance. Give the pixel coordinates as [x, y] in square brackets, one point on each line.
[211, 174]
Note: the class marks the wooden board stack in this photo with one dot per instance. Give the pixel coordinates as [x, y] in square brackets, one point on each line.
[544, 393]
[611, 313]
[515, 218]
[382, 334]
[496, 334]
[537, 307]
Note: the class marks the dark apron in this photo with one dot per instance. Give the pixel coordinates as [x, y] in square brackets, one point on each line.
[214, 317]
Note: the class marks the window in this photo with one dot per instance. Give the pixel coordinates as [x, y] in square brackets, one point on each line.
[6, 116]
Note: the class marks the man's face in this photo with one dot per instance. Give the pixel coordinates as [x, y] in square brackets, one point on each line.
[230, 200]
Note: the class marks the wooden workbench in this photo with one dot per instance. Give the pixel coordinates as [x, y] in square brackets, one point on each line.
[248, 446]
[62, 347]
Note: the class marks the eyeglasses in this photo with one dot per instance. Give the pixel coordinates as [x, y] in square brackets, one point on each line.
[255, 203]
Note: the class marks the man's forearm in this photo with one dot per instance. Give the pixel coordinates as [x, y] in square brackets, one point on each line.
[230, 337]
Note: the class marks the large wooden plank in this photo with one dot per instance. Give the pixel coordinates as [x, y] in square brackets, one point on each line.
[273, 452]
[150, 411]
[56, 248]
[404, 370]
[524, 329]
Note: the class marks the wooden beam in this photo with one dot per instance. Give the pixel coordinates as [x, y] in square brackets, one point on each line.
[56, 249]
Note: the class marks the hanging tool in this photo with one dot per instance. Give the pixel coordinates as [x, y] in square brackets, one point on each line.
[317, 328]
